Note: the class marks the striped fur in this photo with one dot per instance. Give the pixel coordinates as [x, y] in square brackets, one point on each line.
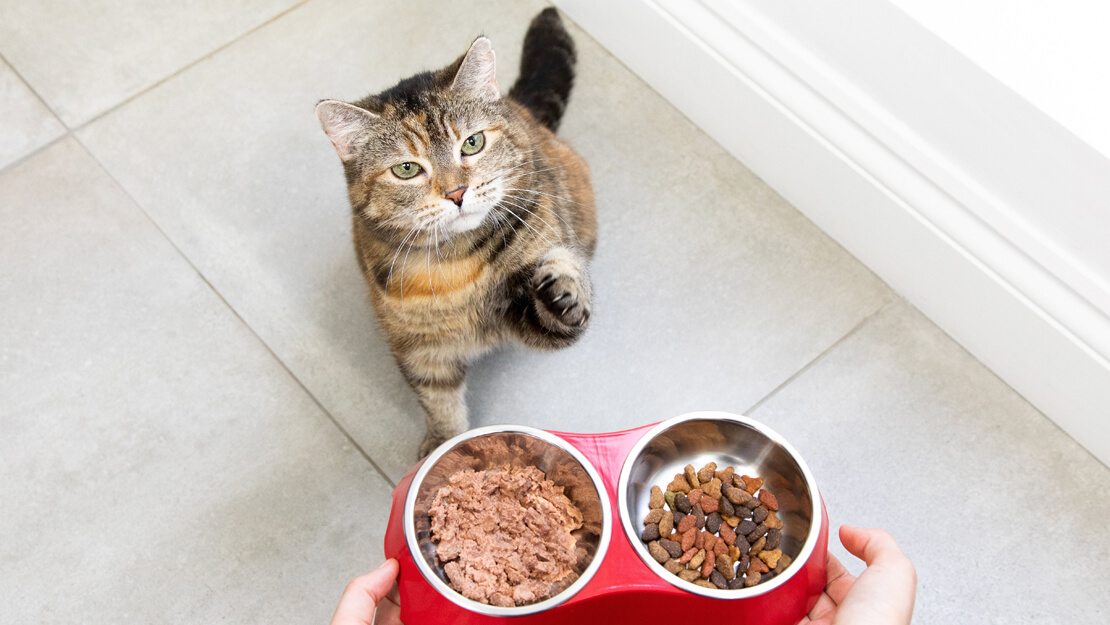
[510, 262]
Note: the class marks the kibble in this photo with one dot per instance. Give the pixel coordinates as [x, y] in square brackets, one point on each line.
[718, 530]
[707, 472]
[713, 488]
[773, 521]
[771, 558]
[727, 535]
[692, 476]
[713, 522]
[696, 561]
[699, 516]
[758, 515]
[757, 546]
[679, 485]
[751, 484]
[725, 564]
[737, 496]
[689, 537]
[718, 579]
[689, 576]
[709, 564]
[666, 524]
[658, 552]
[673, 549]
[686, 524]
[726, 475]
[769, 500]
[720, 548]
[774, 539]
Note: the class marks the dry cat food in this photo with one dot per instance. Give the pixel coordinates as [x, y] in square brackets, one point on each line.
[715, 529]
[503, 536]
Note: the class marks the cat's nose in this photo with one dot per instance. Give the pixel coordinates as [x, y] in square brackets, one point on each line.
[456, 195]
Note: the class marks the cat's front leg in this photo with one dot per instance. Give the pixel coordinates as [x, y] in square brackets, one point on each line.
[440, 387]
[561, 288]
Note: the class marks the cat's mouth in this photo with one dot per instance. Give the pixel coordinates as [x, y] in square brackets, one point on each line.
[468, 218]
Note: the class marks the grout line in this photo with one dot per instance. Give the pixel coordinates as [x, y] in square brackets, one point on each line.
[809, 365]
[190, 65]
[251, 329]
[114, 107]
[32, 89]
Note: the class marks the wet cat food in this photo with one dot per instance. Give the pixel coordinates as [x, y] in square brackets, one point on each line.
[503, 536]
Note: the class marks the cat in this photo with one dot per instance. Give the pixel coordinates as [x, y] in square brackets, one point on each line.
[474, 224]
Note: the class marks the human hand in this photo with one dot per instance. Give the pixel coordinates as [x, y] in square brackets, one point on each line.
[374, 591]
[882, 595]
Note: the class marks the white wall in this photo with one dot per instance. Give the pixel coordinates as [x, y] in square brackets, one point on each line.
[1055, 55]
[976, 206]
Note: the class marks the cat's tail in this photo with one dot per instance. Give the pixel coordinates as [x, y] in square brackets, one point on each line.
[546, 69]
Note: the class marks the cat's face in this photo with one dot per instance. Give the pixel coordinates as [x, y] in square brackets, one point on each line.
[435, 157]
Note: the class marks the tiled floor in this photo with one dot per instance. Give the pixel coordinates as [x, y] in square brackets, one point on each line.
[200, 420]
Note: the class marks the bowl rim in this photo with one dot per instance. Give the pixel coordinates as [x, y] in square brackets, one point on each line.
[456, 597]
[641, 550]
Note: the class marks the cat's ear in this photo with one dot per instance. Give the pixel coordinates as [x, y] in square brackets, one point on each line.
[477, 75]
[344, 124]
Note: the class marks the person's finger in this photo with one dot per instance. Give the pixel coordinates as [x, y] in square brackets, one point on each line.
[884, 592]
[840, 580]
[389, 610]
[363, 594]
[871, 545]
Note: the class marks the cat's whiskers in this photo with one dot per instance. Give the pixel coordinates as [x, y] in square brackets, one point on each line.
[537, 204]
[534, 171]
[389, 276]
[528, 225]
[515, 167]
[552, 196]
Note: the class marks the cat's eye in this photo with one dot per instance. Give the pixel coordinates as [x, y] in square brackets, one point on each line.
[404, 171]
[474, 144]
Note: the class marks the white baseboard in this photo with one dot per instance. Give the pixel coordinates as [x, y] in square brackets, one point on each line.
[957, 237]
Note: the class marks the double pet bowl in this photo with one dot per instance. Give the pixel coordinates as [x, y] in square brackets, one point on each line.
[609, 477]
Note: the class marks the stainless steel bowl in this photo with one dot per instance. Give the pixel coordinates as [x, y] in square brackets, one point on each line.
[729, 440]
[517, 446]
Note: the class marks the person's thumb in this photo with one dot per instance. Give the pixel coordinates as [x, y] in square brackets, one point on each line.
[884, 593]
[873, 546]
[363, 594]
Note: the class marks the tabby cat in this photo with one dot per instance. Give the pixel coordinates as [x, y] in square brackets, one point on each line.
[474, 224]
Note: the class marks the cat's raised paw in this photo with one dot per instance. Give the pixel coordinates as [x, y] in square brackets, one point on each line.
[562, 295]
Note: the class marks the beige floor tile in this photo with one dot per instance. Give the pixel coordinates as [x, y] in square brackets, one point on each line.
[25, 123]
[157, 463]
[85, 57]
[904, 430]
